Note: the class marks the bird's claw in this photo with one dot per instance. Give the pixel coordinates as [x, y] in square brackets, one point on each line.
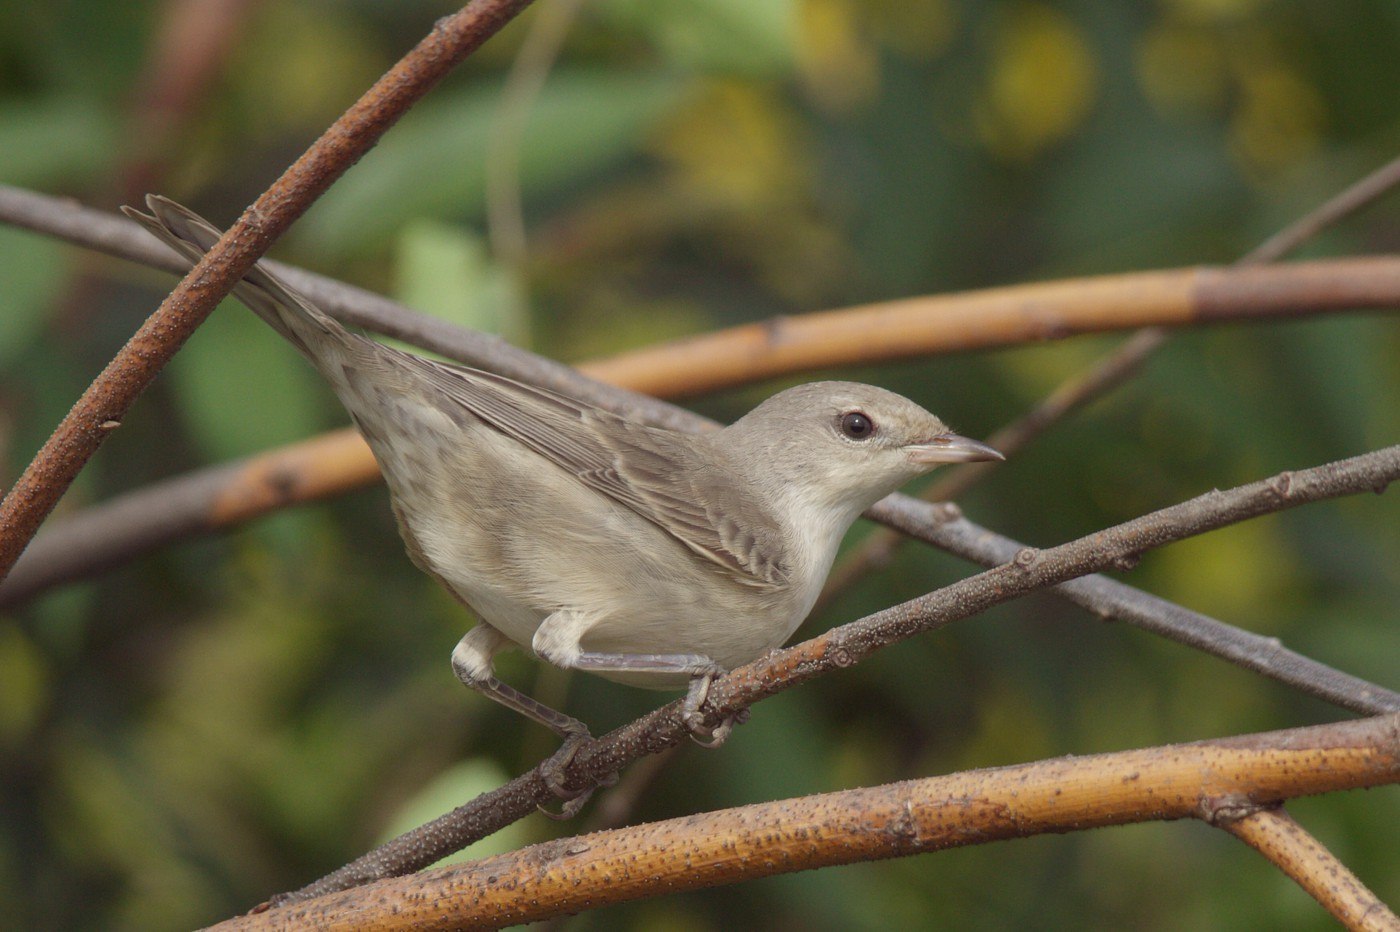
[694, 719]
[553, 772]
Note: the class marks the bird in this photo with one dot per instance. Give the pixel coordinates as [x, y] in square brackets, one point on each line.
[652, 557]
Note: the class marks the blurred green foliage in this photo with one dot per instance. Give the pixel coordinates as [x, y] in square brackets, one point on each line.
[236, 716]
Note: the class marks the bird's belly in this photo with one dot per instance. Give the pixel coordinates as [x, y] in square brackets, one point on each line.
[641, 610]
[516, 539]
[729, 635]
[648, 593]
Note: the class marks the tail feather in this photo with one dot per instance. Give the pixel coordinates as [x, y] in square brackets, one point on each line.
[298, 320]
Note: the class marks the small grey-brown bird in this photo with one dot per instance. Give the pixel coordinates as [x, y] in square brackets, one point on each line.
[648, 556]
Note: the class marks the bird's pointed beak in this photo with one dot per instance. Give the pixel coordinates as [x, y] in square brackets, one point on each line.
[952, 448]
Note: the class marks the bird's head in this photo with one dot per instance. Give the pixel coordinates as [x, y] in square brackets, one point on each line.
[844, 445]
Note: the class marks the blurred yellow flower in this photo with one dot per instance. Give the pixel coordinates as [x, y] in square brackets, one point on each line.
[1279, 120]
[1183, 71]
[735, 142]
[1040, 85]
[1213, 10]
[838, 62]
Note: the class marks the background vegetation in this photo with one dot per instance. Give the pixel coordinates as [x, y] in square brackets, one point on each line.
[235, 716]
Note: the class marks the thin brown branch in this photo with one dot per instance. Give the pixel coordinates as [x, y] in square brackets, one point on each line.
[1109, 372]
[873, 823]
[616, 807]
[1356, 197]
[117, 236]
[1274, 834]
[101, 408]
[943, 526]
[849, 644]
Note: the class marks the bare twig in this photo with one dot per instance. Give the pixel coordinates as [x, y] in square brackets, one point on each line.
[943, 323]
[938, 324]
[505, 216]
[896, 820]
[120, 237]
[196, 503]
[1274, 834]
[944, 527]
[1356, 197]
[104, 404]
[615, 809]
[849, 644]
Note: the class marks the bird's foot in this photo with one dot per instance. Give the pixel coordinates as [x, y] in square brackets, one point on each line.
[694, 719]
[553, 771]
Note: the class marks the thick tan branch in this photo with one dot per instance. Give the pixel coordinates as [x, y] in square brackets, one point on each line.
[936, 324]
[1001, 317]
[896, 820]
[943, 526]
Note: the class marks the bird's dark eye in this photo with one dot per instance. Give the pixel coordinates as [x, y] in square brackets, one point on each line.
[857, 425]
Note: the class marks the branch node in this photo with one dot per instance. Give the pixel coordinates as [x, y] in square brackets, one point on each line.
[775, 330]
[1282, 485]
[1230, 807]
[1026, 557]
[254, 221]
[946, 512]
[1127, 561]
[904, 826]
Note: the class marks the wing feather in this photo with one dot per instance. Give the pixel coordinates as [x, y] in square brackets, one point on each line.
[654, 472]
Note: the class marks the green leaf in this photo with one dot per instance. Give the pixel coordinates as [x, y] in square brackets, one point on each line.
[750, 37]
[24, 686]
[242, 388]
[33, 271]
[450, 789]
[44, 143]
[433, 164]
[446, 271]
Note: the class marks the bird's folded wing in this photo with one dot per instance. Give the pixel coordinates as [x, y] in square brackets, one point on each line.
[653, 472]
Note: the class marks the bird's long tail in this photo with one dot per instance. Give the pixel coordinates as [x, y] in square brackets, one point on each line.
[303, 324]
